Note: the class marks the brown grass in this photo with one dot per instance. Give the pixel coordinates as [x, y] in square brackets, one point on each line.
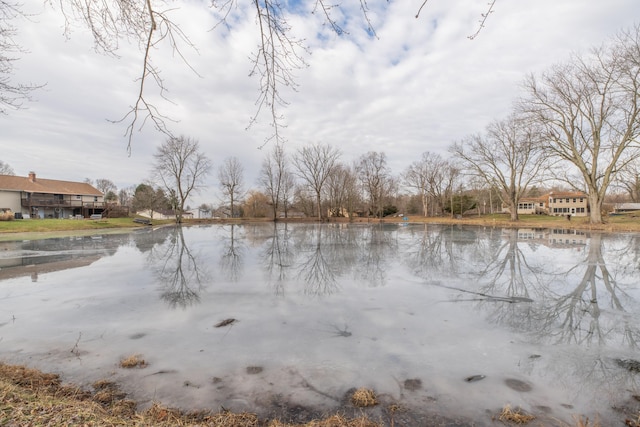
[364, 397]
[585, 423]
[333, 421]
[633, 423]
[133, 361]
[29, 397]
[516, 417]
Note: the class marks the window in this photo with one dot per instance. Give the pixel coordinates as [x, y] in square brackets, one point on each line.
[78, 197]
[574, 200]
[95, 198]
[567, 200]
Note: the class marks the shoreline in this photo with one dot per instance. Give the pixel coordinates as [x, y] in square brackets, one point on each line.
[628, 223]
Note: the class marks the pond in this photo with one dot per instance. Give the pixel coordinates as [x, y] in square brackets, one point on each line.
[288, 318]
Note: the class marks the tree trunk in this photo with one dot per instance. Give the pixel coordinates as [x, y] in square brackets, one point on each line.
[514, 211]
[425, 207]
[595, 208]
[319, 209]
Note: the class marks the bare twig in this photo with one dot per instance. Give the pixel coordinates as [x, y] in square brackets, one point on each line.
[75, 350]
[483, 20]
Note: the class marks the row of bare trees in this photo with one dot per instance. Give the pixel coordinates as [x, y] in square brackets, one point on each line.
[578, 123]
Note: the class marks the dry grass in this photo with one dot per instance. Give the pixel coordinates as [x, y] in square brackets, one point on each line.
[586, 423]
[364, 397]
[633, 423]
[133, 361]
[29, 397]
[333, 421]
[516, 417]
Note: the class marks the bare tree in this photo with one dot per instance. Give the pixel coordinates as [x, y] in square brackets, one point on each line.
[6, 169]
[509, 157]
[342, 191]
[422, 175]
[231, 177]
[629, 180]
[275, 177]
[105, 185]
[12, 94]
[181, 168]
[151, 25]
[444, 184]
[256, 205]
[375, 178]
[125, 195]
[590, 112]
[314, 164]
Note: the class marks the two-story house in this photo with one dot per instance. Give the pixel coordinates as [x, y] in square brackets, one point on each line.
[560, 203]
[568, 203]
[49, 198]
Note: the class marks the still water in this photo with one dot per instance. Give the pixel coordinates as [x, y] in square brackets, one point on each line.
[436, 319]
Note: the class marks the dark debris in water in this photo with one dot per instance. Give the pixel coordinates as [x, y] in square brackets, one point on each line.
[225, 322]
[474, 378]
[629, 364]
[518, 385]
[413, 384]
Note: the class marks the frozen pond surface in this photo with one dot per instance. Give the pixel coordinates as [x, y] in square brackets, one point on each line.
[437, 319]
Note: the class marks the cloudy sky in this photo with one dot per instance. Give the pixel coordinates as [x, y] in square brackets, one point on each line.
[419, 86]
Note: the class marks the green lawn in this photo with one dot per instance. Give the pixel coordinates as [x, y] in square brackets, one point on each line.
[28, 229]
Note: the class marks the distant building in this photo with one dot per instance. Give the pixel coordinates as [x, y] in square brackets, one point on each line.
[569, 203]
[626, 207]
[200, 213]
[163, 214]
[32, 197]
[556, 204]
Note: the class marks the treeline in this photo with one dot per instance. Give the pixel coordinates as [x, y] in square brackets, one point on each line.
[576, 126]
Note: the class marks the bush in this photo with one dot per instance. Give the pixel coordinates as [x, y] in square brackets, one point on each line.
[6, 216]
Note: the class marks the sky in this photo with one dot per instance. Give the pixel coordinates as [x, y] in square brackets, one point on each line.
[419, 85]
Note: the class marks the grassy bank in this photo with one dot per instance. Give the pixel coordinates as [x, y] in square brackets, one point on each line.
[29, 397]
[40, 228]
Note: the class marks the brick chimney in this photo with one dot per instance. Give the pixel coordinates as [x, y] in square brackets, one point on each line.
[32, 176]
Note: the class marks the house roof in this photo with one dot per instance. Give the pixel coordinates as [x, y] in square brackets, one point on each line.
[565, 194]
[627, 206]
[31, 184]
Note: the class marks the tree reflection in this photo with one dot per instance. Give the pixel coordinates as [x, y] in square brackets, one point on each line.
[439, 249]
[178, 271]
[278, 256]
[376, 250]
[576, 316]
[318, 274]
[231, 259]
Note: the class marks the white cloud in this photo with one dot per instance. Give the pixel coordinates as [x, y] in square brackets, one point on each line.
[419, 86]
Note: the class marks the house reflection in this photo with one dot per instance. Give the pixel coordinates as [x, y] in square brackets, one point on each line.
[35, 257]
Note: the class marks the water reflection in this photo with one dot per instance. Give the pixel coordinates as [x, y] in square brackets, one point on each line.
[557, 310]
[179, 270]
[278, 257]
[35, 257]
[232, 252]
